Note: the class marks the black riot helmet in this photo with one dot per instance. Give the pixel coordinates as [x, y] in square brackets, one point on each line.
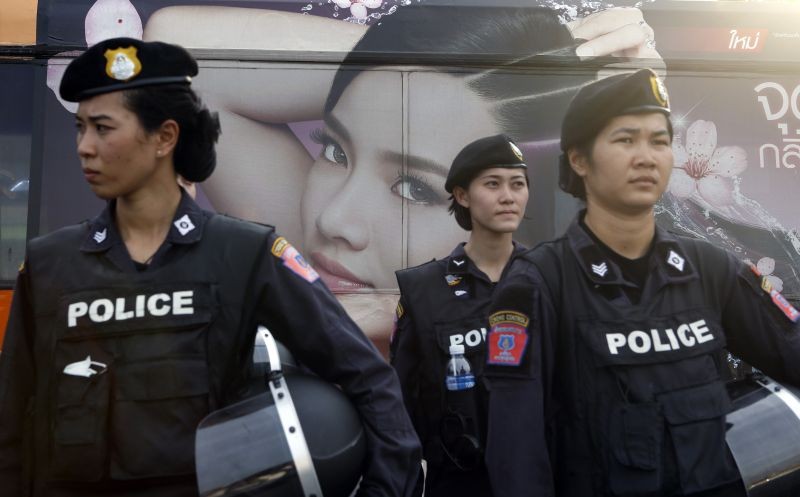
[302, 438]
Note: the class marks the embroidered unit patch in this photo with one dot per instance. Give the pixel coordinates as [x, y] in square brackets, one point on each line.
[508, 337]
[779, 300]
[293, 260]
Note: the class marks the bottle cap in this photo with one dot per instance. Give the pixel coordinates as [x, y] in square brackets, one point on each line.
[457, 349]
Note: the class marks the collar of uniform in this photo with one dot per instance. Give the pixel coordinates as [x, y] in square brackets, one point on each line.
[671, 259]
[103, 232]
[188, 223]
[597, 266]
[457, 261]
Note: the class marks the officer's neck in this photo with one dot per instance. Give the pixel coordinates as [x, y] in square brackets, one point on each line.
[144, 218]
[628, 234]
[489, 251]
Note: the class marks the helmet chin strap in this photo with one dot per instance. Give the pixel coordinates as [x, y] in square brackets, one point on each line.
[288, 417]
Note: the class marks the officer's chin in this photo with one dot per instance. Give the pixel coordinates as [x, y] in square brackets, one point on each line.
[104, 193]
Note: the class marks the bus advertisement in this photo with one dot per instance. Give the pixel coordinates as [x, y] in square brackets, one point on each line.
[343, 141]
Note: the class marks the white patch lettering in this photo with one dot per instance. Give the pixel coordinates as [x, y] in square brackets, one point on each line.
[123, 308]
[152, 304]
[666, 340]
[473, 338]
[120, 313]
[182, 302]
[701, 331]
[108, 310]
[673, 340]
[615, 341]
[140, 300]
[657, 345]
[639, 336]
[683, 334]
[74, 311]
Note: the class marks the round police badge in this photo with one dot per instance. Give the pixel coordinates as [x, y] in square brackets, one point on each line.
[122, 64]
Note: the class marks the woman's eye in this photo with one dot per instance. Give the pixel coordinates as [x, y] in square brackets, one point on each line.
[415, 190]
[332, 152]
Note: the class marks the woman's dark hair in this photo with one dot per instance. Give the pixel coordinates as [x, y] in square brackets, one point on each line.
[195, 156]
[497, 52]
[461, 213]
[501, 39]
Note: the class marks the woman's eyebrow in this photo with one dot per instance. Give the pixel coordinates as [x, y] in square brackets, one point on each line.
[337, 127]
[416, 162]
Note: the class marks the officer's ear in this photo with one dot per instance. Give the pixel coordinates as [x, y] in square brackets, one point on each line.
[461, 196]
[167, 137]
[578, 161]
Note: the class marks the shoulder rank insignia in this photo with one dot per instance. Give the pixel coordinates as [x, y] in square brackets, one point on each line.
[292, 259]
[777, 299]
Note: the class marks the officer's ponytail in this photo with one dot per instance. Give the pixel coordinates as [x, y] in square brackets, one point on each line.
[195, 156]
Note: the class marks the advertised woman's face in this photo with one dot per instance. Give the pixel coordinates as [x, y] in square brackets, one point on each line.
[375, 200]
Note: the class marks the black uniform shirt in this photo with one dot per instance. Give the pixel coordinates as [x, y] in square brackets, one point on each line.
[642, 404]
[168, 345]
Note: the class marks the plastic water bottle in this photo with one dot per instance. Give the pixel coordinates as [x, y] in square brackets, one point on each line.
[459, 371]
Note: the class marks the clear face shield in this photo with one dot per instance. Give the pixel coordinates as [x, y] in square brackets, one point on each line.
[302, 438]
[764, 435]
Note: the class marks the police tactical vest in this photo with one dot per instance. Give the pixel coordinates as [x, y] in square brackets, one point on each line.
[135, 360]
[640, 383]
[446, 310]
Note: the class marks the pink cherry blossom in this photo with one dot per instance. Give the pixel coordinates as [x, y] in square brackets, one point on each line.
[358, 8]
[701, 168]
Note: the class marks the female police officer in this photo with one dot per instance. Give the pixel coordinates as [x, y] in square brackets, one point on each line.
[128, 329]
[443, 303]
[635, 316]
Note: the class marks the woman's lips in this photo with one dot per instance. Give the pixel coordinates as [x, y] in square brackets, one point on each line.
[646, 180]
[90, 174]
[336, 276]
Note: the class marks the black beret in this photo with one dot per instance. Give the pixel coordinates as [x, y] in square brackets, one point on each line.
[600, 101]
[485, 153]
[597, 103]
[122, 63]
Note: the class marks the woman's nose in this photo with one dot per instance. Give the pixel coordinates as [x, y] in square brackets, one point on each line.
[86, 146]
[645, 155]
[344, 219]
